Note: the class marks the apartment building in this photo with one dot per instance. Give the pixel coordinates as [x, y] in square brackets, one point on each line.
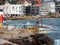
[43, 10]
[50, 5]
[14, 10]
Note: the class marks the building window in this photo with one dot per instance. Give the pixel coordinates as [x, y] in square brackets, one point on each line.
[13, 7]
[13, 14]
[1, 10]
[16, 14]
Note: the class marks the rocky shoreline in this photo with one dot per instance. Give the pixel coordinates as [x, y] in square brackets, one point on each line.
[18, 37]
[30, 17]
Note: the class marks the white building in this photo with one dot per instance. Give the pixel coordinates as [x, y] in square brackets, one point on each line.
[43, 10]
[14, 9]
[1, 10]
[51, 7]
[1, 6]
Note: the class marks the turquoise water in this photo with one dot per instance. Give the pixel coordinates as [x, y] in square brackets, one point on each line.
[52, 22]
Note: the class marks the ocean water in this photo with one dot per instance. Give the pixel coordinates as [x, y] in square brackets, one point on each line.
[54, 23]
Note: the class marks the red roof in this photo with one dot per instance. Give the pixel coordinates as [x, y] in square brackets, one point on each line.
[38, 4]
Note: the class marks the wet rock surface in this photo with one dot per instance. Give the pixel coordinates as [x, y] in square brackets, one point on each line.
[37, 39]
[24, 38]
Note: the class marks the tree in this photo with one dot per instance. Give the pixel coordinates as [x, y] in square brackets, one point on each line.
[2, 2]
[12, 1]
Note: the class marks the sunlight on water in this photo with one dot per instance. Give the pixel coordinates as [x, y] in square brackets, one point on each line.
[57, 42]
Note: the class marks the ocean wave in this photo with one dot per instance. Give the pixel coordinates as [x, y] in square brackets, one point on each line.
[50, 27]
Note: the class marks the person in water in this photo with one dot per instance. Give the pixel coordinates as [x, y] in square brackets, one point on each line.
[37, 24]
